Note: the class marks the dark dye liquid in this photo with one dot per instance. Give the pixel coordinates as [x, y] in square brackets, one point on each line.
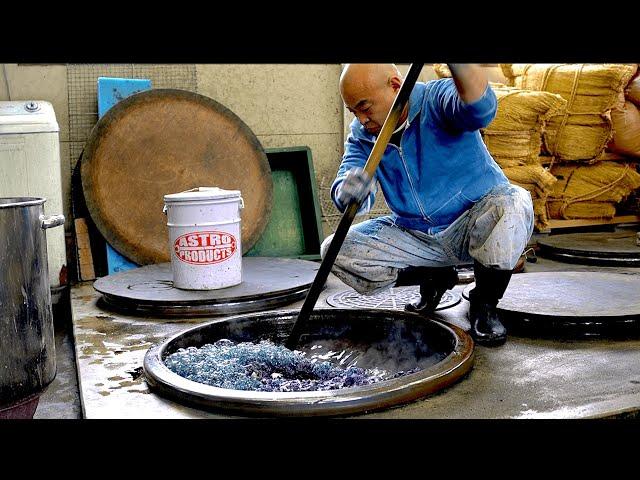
[267, 367]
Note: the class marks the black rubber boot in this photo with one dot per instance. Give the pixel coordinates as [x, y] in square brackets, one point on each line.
[491, 283]
[433, 281]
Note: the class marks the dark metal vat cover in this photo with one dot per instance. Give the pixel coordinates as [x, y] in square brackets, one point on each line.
[268, 282]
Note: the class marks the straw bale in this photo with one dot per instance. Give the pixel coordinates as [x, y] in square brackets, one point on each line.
[558, 210]
[513, 148]
[493, 71]
[588, 88]
[538, 182]
[535, 176]
[591, 191]
[523, 109]
[514, 137]
[577, 137]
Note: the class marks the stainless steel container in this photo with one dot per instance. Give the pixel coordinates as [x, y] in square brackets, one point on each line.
[27, 347]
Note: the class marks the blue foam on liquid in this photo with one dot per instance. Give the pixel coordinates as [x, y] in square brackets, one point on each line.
[267, 367]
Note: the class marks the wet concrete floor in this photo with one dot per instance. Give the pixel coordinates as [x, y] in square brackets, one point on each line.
[525, 378]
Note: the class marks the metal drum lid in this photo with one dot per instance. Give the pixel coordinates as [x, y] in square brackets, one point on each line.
[602, 248]
[267, 283]
[161, 142]
[573, 302]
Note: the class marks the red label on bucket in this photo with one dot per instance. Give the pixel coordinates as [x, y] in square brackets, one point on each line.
[204, 248]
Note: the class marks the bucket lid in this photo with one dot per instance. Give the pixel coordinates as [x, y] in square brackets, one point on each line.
[202, 193]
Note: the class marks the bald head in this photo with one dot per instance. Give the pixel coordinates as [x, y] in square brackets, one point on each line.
[368, 91]
[357, 77]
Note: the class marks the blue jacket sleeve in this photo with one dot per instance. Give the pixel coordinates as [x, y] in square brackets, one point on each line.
[354, 156]
[448, 109]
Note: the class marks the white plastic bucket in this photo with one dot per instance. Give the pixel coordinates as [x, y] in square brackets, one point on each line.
[204, 238]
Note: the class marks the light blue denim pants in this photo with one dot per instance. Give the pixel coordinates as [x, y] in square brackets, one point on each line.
[494, 231]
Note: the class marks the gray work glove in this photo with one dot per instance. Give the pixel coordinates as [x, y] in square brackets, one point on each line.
[357, 186]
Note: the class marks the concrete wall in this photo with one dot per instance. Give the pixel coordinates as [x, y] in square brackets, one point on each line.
[43, 82]
[284, 105]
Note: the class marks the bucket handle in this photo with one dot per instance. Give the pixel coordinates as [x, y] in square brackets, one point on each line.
[50, 221]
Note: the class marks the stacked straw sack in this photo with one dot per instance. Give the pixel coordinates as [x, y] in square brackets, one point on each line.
[514, 138]
[591, 191]
[584, 130]
[592, 145]
[578, 131]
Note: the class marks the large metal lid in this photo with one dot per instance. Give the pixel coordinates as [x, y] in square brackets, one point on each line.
[268, 282]
[27, 116]
[159, 142]
[595, 248]
[582, 302]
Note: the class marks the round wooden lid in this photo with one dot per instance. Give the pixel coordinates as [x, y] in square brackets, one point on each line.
[167, 141]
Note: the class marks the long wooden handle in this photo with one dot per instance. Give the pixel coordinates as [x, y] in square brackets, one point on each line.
[340, 234]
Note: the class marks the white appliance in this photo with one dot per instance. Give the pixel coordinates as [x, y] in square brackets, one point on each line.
[30, 167]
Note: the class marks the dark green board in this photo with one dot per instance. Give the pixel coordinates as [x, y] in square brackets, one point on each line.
[294, 229]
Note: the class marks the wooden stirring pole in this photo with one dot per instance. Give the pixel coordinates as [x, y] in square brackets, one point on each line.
[390, 124]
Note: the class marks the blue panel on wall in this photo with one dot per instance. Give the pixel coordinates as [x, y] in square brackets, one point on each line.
[111, 91]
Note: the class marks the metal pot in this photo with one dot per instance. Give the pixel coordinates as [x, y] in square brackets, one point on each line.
[27, 348]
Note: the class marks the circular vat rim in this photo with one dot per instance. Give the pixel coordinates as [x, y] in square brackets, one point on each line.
[352, 400]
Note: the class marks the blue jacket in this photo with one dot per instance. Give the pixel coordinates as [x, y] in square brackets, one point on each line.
[442, 166]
